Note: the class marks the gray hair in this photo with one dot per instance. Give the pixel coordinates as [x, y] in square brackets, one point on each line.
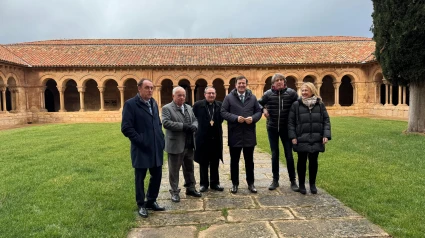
[277, 76]
[208, 87]
[177, 88]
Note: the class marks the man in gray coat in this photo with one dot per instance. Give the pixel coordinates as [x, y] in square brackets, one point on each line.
[180, 124]
[241, 111]
[142, 125]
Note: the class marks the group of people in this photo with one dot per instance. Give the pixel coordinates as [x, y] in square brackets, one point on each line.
[195, 134]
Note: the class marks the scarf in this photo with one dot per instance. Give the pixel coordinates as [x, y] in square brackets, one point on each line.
[309, 102]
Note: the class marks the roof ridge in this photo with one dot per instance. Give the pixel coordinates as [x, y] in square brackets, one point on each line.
[27, 64]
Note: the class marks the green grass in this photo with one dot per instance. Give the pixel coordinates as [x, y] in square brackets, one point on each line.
[376, 169]
[76, 180]
[71, 180]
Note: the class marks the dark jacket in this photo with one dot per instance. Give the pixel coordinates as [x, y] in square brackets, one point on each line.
[208, 138]
[241, 134]
[278, 103]
[144, 131]
[309, 126]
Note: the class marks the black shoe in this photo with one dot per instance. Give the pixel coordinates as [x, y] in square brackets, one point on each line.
[154, 206]
[294, 186]
[302, 190]
[274, 185]
[175, 198]
[193, 193]
[313, 188]
[234, 189]
[217, 187]
[143, 212]
[252, 188]
[203, 189]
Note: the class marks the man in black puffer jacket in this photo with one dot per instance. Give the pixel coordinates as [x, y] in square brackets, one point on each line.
[277, 102]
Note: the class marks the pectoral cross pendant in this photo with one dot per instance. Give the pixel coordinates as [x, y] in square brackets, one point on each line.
[212, 123]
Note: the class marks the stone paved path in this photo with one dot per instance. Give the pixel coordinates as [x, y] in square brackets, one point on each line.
[278, 213]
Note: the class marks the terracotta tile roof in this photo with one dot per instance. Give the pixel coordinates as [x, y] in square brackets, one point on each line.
[196, 52]
[8, 57]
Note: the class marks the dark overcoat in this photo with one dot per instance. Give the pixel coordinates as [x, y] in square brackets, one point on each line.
[309, 126]
[144, 131]
[241, 134]
[204, 142]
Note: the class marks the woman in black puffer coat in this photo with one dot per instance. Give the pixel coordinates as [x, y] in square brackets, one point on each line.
[309, 129]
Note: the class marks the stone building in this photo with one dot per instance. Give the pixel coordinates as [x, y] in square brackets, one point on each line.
[89, 80]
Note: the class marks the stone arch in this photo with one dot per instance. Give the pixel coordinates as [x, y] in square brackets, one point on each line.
[158, 81]
[346, 91]
[106, 78]
[327, 90]
[11, 82]
[166, 91]
[2, 87]
[111, 95]
[310, 78]
[47, 77]
[84, 79]
[231, 80]
[13, 76]
[204, 77]
[268, 84]
[126, 77]
[379, 87]
[130, 88]
[91, 95]
[353, 76]
[71, 95]
[185, 83]
[51, 95]
[333, 75]
[218, 84]
[64, 79]
[182, 77]
[200, 86]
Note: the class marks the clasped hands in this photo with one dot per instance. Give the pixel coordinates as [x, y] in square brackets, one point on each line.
[242, 119]
[189, 128]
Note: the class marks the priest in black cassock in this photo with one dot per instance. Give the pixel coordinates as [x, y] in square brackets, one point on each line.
[209, 139]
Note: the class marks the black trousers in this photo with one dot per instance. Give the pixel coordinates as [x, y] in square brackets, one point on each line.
[154, 184]
[312, 167]
[212, 164]
[248, 155]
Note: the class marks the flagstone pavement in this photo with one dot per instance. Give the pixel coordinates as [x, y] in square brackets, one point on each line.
[278, 213]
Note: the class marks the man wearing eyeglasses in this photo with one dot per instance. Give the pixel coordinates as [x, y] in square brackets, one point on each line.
[276, 102]
[209, 139]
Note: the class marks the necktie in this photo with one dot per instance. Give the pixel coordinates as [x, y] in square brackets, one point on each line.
[242, 98]
[148, 103]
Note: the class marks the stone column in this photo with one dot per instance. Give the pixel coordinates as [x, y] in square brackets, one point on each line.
[61, 98]
[299, 84]
[226, 89]
[375, 101]
[159, 88]
[3, 96]
[404, 95]
[318, 85]
[42, 99]
[81, 90]
[192, 87]
[391, 96]
[102, 102]
[336, 88]
[400, 90]
[121, 96]
[353, 84]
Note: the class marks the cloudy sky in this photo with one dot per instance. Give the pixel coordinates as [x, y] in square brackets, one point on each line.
[30, 20]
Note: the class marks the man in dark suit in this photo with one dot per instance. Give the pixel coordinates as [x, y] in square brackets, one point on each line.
[209, 139]
[180, 124]
[142, 125]
[242, 111]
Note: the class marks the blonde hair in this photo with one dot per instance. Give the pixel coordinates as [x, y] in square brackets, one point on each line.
[312, 88]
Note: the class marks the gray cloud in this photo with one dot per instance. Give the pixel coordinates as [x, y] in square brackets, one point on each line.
[27, 20]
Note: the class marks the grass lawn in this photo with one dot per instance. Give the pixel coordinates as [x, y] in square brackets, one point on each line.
[76, 180]
[375, 169]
